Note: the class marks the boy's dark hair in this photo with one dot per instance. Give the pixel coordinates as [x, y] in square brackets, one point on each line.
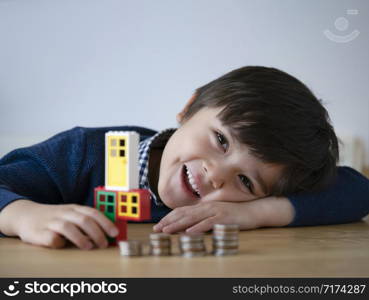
[280, 119]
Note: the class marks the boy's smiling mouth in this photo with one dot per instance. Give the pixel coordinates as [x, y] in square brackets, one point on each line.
[189, 184]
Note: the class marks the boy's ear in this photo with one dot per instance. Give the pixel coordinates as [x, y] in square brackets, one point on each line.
[181, 114]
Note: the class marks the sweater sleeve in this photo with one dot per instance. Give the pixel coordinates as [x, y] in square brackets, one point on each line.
[345, 201]
[47, 172]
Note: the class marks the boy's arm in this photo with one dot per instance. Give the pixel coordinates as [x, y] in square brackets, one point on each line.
[264, 212]
[46, 172]
[344, 201]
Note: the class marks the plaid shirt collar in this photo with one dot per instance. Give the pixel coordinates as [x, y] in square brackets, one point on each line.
[158, 140]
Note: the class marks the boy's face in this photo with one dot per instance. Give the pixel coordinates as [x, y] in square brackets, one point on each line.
[203, 162]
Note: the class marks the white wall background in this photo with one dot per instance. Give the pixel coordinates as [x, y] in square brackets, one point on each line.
[113, 62]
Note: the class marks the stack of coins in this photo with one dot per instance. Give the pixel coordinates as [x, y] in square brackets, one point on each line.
[130, 248]
[225, 239]
[191, 245]
[160, 244]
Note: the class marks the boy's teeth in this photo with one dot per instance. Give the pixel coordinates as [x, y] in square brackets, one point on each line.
[191, 180]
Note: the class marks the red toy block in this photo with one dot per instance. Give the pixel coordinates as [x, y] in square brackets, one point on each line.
[145, 201]
[122, 227]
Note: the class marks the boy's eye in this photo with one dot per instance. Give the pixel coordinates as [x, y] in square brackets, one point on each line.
[222, 141]
[245, 181]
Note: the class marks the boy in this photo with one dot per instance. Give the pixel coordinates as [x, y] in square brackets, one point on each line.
[254, 147]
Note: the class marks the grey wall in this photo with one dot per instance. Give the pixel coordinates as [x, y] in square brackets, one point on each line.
[93, 63]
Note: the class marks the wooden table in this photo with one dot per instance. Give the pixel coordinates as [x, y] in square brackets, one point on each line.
[318, 251]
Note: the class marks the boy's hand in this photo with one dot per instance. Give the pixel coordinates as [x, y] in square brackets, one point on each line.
[269, 211]
[53, 225]
[201, 217]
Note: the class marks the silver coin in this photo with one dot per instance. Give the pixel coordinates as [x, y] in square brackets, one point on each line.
[191, 237]
[159, 236]
[226, 227]
[223, 252]
[225, 233]
[220, 232]
[130, 248]
[160, 252]
[192, 247]
[160, 243]
[225, 237]
[194, 254]
[225, 249]
[160, 247]
[221, 243]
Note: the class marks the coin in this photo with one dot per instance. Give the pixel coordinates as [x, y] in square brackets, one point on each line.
[130, 248]
[160, 244]
[225, 239]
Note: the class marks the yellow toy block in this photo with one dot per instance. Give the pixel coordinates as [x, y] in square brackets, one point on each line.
[134, 205]
[121, 160]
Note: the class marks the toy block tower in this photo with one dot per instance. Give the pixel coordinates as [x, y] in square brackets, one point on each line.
[120, 199]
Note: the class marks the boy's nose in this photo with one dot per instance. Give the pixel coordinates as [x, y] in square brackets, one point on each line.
[216, 184]
[214, 176]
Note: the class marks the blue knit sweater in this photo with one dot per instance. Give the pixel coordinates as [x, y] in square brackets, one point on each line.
[67, 167]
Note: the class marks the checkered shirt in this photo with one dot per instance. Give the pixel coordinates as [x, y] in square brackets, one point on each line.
[158, 140]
